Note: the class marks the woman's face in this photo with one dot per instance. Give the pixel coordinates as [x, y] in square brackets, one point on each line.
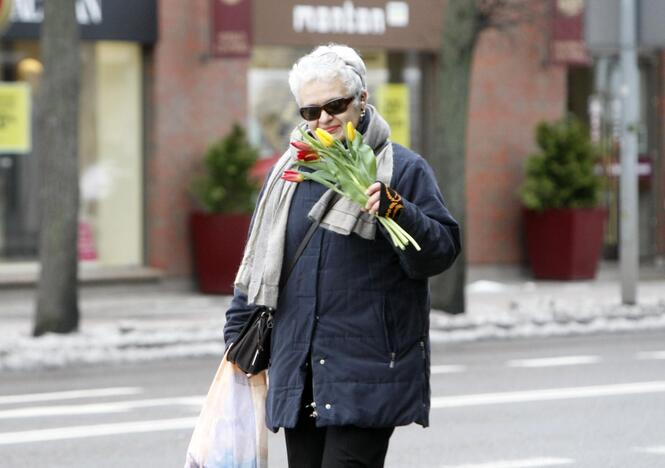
[318, 93]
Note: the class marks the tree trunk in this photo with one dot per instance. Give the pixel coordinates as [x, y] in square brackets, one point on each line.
[56, 145]
[460, 33]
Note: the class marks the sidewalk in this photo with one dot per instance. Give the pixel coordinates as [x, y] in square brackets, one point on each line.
[126, 323]
[506, 302]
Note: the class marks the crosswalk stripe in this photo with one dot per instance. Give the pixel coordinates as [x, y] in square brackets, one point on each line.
[78, 432]
[548, 394]
[654, 450]
[651, 355]
[526, 463]
[447, 369]
[69, 395]
[99, 408]
[554, 361]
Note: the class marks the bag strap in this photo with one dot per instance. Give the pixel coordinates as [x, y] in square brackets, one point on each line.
[308, 237]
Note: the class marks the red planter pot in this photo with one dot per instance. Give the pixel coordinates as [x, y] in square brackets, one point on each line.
[564, 244]
[218, 242]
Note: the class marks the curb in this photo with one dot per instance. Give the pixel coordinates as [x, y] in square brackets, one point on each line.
[131, 341]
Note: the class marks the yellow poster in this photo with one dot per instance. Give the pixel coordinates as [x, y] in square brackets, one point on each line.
[15, 122]
[15, 131]
[393, 105]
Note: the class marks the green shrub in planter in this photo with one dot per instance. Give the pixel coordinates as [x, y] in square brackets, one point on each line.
[563, 222]
[563, 173]
[225, 186]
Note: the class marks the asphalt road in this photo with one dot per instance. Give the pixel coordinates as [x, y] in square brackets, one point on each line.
[592, 401]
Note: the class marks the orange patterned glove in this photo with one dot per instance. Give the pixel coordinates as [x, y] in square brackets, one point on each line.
[390, 202]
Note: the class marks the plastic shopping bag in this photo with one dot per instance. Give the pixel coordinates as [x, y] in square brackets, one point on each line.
[230, 431]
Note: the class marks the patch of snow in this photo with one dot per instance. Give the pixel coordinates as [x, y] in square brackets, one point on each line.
[122, 328]
[484, 286]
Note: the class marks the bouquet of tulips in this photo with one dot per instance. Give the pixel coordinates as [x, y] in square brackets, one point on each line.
[348, 170]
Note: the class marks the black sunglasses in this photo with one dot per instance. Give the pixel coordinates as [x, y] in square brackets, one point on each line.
[334, 107]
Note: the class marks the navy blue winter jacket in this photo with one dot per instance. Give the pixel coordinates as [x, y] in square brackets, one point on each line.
[358, 310]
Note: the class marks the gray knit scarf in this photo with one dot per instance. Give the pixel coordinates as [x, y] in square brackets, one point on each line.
[261, 266]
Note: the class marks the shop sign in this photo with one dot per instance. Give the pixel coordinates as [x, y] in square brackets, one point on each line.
[231, 32]
[393, 104]
[15, 121]
[349, 18]
[122, 20]
[359, 23]
[567, 46]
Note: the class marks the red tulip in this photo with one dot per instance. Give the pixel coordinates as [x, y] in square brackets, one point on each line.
[301, 146]
[293, 176]
[307, 155]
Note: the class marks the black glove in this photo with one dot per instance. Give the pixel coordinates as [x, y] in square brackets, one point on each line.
[390, 202]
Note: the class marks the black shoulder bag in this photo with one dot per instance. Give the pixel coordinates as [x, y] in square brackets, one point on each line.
[251, 349]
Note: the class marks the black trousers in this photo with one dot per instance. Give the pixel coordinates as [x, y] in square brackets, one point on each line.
[308, 446]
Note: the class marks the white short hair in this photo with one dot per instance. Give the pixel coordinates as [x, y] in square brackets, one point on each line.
[328, 63]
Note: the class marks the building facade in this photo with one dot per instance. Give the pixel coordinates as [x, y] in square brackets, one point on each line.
[152, 101]
[116, 41]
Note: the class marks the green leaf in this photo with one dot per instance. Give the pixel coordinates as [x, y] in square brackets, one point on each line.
[318, 178]
[325, 175]
[368, 160]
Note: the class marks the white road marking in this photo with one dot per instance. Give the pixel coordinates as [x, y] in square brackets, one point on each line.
[651, 355]
[79, 432]
[447, 369]
[99, 408]
[525, 463]
[654, 450]
[548, 394]
[73, 432]
[69, 395]
[554, 361]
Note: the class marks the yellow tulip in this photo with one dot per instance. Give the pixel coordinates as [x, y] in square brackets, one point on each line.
[324, 137]
[350, 131]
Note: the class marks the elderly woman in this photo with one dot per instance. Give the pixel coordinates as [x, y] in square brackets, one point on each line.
[350, 348]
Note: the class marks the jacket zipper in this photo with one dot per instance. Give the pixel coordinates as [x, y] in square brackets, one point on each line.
[389, 340]
[426, 381]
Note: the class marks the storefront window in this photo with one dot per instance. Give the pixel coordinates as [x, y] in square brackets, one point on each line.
[110, 152]
[273, 110]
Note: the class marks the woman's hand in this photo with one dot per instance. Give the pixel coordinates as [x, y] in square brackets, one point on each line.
[383, 201]
[374, 192]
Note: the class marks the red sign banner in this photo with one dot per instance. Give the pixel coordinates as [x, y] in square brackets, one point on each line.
[231, 31]
[567, 46]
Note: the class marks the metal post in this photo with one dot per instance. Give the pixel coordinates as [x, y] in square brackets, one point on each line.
[601, 75]
[597, 104]
[628, 184]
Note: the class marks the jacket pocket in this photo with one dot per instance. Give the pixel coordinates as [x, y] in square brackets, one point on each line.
[388, 332]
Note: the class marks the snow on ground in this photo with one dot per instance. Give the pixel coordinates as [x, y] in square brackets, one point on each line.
[119, 328]
[499, 310]
[109, 344]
